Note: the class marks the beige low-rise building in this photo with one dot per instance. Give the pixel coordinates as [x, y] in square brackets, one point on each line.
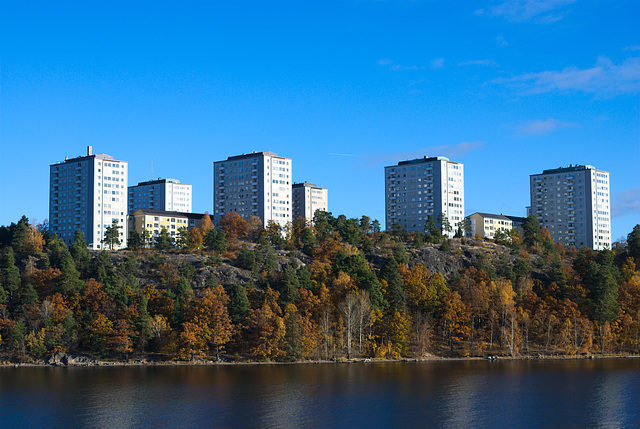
[487, 224]
[154, 220]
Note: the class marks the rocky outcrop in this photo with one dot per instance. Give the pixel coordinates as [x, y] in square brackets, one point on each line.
[63, 359]
[433, 259]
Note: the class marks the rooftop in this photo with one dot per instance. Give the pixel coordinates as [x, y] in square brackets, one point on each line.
[253, 154]
[155, 182]
[423, 160]
[571, 167]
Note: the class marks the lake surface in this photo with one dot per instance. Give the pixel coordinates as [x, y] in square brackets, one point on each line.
[457, 394]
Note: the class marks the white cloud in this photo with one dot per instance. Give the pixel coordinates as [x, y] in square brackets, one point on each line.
[605, 78]
[632, 48]
[450, 151]
[486, 63]
[438, 63]
[542, 11]
[542, 127]
[397, 67]
[626, 203]
[500, 41]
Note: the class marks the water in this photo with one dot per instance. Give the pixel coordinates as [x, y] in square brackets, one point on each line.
[457, 394]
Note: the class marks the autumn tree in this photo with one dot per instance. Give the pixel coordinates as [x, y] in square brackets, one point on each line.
[293, 333]
[234, 226]
[455, 319]
[267, 327]
[208, 318]
[205, 224]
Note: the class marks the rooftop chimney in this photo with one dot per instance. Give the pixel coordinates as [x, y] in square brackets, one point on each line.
[89, 150]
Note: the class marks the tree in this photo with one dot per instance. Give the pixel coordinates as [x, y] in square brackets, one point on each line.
[445, 226]
[183, 241]
[293, 333]
[254, 228]
[79, 250]
[239, 304]
[216, 240]
[247, 259]
[35, 241]
[112, 235]
[349, 314]
[205, 224]
[365, 225]
[209, 319]
[532, 231]
[288, 285]
[234, 226]
[364, 315]
[455, 319]
[196, 239]
[147, 239]
[633, 243]
[11, 275]
[164, 240]
[20, 236]
[274, 233]
[267, 327]
[134, 242]
[431, 230]
[391, 274]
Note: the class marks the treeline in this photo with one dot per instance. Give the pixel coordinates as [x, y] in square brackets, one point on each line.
[332, 289]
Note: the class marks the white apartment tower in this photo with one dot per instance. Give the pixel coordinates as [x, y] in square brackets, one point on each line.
[255, 184]
[307, 198]
[421, 187]
[162, 194]
[573, 204]
[88, 193]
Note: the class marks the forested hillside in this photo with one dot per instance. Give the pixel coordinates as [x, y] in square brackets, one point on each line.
[335, 289]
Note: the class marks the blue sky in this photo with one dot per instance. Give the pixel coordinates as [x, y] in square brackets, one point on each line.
[509, 88]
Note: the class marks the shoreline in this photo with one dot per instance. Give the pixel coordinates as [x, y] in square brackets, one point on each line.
[205, 362]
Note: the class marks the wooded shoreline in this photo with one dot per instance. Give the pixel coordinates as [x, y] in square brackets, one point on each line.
[333, 290]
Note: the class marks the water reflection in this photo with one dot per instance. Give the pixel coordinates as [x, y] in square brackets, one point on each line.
[577, 393]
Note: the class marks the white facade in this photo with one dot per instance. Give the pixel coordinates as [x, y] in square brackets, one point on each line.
[88, 193]
[421, 187]
[573, 204]
[162, 194]
[307, 198]
[255, 184]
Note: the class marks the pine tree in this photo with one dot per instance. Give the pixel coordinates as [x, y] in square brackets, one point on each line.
[112, 235]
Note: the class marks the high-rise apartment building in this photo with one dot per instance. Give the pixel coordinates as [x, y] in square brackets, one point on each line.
[573, 204]
[307, 198]
[255, 184]
[162, 194]
[421, 187]
[87, 193]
